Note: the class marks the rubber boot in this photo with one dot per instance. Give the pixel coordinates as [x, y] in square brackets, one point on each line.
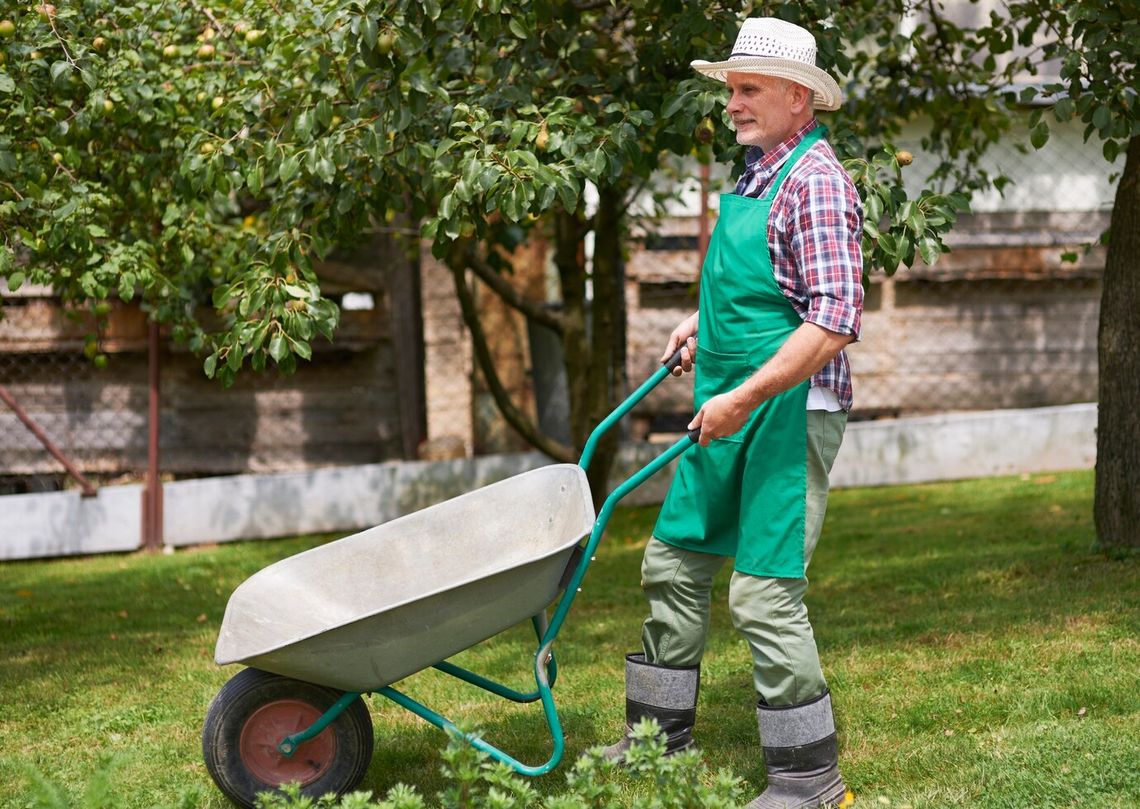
[801, 754]
[664, 693]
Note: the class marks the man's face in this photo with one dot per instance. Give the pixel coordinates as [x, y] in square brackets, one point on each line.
[765, 110]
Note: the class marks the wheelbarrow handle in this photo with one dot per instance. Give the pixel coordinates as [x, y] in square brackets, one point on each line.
[614, 417]
[674, 361]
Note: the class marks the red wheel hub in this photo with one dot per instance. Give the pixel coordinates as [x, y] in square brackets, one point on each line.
[265, 729]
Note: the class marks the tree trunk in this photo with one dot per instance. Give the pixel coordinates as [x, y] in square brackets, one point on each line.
[605, 384]
[1117, 505]
[569, 259]
[591, 332]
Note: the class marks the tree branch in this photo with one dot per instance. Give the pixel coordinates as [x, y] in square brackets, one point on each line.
[511, 296]
[524, 426]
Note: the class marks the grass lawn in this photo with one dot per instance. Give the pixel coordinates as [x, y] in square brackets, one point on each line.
[978, 652]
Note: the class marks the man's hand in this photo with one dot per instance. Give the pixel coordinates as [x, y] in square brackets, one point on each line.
[720, 417]
[808, 349]
[685, 336]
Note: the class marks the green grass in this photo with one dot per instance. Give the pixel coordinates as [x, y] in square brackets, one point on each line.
[979, 653]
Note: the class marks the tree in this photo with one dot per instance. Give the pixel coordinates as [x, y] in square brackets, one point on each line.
[972, 83]
[107, 188]
[1098, 44]
[207, 156]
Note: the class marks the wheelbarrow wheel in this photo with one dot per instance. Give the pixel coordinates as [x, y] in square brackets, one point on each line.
[255, 710]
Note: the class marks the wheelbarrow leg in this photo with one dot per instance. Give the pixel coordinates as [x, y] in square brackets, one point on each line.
[541, 624]
[548, 708]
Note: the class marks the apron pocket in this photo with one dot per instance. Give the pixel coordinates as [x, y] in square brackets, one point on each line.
[719, 372]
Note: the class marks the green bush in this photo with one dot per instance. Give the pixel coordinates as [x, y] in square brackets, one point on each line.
[679, 781]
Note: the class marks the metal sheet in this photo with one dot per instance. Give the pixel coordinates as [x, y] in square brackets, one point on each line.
[374, 607]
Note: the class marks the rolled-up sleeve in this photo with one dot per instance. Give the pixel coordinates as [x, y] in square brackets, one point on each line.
[826, 247]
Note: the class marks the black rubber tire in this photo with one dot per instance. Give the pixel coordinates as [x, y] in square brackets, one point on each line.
[251, 690]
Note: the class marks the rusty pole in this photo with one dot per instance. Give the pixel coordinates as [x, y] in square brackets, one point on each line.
[152, 493]
[84, 484]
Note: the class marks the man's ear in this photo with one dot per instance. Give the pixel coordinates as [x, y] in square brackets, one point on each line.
[801, 97]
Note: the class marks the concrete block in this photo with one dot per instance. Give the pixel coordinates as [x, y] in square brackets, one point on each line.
[958, 446]
[66, 524]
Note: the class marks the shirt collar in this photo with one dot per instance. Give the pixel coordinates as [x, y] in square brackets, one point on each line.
[757, 161]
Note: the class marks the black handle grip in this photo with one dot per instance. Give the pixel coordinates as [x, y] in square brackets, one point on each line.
[695, 434]
[674, 362]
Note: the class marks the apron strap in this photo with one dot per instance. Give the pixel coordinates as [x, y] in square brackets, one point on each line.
[810, 139]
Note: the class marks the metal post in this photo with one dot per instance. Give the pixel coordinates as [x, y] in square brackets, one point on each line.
[152, 493]
[84, 484]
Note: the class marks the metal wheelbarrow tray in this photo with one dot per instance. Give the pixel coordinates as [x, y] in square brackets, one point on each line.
[319, 629]
[370, 609]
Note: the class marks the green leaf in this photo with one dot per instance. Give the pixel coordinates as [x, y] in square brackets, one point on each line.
[325, 170]
[916, 221]
[59, 69]
[324, 113]
[15, 280]
[288, 168]
[1039, 135]
[518, 29]
[368, 31]
[598, 162]
[568, 194]
[675, 103]
[222, 295]
[233, 359]
[6, 83]
[210, 365]
[1102, 117]
[255, 179]
[929, 249]
[278, 347]
[67, 209]
[874, 208]
[302, 349]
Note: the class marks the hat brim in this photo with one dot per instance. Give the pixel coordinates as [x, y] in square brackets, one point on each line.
[827, 93]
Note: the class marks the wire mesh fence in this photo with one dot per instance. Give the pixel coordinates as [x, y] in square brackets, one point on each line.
[100, 428]
[1003, 321]
[930, 344]
[77, 393]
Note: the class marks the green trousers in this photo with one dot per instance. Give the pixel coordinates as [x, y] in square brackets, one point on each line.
[768, 612]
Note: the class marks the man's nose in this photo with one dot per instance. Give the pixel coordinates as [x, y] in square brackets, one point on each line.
[733, 102]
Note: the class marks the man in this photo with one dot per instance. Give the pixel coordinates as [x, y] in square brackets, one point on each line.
[780, 297]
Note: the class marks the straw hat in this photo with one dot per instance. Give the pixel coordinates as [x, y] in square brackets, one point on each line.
[773, 47]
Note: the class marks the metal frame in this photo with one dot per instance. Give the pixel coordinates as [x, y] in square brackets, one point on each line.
[545, 668]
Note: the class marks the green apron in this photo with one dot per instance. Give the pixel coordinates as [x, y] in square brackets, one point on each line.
[744, 495]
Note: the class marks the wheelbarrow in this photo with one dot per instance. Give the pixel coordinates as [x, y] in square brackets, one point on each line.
[320, 629]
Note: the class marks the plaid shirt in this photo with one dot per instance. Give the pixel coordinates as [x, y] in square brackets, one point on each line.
[814, 234]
